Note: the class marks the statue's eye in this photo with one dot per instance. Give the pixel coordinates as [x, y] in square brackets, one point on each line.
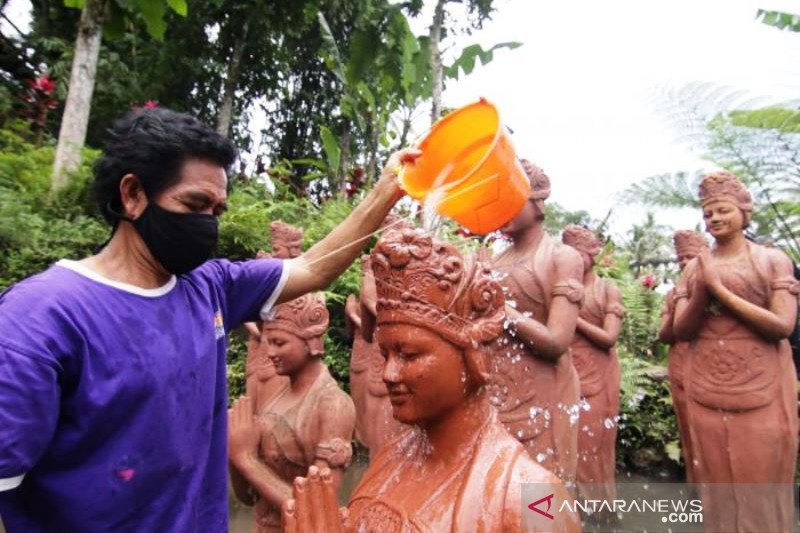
[410, 353]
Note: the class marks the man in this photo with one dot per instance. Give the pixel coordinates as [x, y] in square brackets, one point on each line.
[535, 386]
[112, 368]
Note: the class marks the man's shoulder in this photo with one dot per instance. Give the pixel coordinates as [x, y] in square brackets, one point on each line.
[43, 290]
[37, 314]
[220, 271]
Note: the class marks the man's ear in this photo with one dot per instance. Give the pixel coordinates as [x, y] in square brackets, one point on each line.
[132, 196]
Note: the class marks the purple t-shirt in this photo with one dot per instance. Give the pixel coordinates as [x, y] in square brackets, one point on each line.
[113, 400]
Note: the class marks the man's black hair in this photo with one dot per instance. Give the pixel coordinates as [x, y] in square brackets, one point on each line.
[153, 144]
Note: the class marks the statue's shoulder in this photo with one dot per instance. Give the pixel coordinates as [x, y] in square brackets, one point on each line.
[529, 481]
[331, 399]
[564, 254]
[778, 260]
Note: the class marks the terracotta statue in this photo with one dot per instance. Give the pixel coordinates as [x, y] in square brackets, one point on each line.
[736, 305]
[375, 425]
[688, 244]
[596, 362]
[458, 470]
[309, 421]
[261, 380]
[534, 385]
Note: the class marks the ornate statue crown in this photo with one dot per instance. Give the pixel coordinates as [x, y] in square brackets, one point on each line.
[428, 283]
[582, 239]
[689, 241]
[726, 187]
[305, 317]
[286, 235]
[540, 183]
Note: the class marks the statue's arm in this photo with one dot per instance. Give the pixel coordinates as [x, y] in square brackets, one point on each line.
[263, 480]
[352, 315]
[778, 321]
[550, 341]
[369, 300]
[605, 337]
[665, 333]
[241, 488]
[691, 299]
[337, 421]
[244, 434]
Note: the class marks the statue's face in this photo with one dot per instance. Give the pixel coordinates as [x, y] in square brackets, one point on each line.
[289, 353]
[531, 214]
[685, 256]
[723, 219]
[425, 374]
[588, 260]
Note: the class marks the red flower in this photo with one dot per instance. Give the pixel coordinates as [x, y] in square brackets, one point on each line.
[151, 104]
[649, 281]
[43, 84]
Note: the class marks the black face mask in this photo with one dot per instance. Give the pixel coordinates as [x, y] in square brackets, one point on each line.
[179, 241]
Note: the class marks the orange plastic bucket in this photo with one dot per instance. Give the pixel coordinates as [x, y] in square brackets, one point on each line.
[469, 168]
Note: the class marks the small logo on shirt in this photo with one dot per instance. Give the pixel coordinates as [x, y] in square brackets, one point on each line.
[219, 326]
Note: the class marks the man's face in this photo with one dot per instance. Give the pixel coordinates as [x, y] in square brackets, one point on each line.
[425, 374]
[202, 189]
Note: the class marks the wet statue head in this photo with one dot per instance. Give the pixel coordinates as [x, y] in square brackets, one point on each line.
[532, 212]
[687, 245]
[437, 314]
[295, 334]
[286, 240]
[540, 183]
[585, 241]
[725, 187]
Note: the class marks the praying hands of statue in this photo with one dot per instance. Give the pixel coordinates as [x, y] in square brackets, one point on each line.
[369, 301]
[253, 331]
[352, 313]
[709, 274]
[314, 506]
[243, 433]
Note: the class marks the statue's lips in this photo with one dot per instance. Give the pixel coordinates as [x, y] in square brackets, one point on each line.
[397, 398]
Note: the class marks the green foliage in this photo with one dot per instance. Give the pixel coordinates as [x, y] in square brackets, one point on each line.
[664, 190]
[236, 362]
[152, 12]
[36, 228]
[759, 145]
[779, 19]
[777, 118]
[648, 431]
[245, 229]
[466, 61]
[640, 325]
[556, 217]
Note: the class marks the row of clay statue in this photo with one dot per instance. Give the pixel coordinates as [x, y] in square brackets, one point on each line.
[472, 375]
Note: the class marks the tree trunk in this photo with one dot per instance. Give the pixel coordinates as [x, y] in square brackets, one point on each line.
[225, 115]
[436, 60]
[72, 134]
[344, 159]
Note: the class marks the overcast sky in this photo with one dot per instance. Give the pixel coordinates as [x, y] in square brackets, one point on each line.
[585, 94]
